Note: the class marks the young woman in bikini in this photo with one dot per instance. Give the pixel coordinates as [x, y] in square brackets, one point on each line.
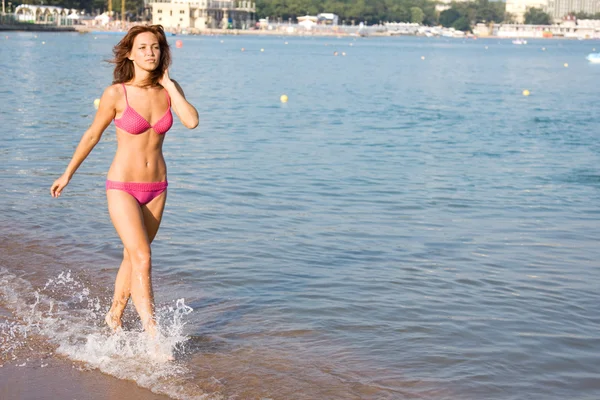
[139, 101]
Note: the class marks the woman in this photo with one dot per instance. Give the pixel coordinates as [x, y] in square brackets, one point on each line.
[140, 101]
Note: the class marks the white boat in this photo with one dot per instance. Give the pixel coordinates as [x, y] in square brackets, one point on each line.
[594, 58]
[519, 41]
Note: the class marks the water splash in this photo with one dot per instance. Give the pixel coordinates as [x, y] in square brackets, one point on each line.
[67, 314]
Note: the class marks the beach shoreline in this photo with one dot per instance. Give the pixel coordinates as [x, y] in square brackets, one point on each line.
[35, 371]
[61, 379]
[38, 373]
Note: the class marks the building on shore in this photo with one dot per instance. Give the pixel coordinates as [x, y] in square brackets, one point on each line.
[50, 15]
[584, 29]
[557, 9]
[328, 18]
[307, 21]
[518, 8]
[196, 15]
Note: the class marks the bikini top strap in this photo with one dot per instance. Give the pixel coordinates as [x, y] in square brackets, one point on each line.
[168, 97]
[125, 90]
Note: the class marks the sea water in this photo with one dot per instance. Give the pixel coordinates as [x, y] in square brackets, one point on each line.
[407, 225]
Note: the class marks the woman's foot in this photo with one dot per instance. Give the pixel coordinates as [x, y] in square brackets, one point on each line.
[159, 352]
[150, 328]
[113, 322]
[159, 349]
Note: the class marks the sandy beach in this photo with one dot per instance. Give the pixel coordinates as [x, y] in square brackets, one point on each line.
[43, 375]
[61, 380]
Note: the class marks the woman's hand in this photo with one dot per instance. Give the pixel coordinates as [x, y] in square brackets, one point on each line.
[59, 185]
[186, 112]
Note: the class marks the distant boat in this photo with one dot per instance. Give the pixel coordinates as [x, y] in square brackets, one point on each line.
[519, 41]
[362, 30]
[594, 58]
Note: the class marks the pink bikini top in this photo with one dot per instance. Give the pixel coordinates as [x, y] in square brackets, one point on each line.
[134, 123]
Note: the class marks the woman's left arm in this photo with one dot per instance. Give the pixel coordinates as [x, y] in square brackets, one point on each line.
[187, 113]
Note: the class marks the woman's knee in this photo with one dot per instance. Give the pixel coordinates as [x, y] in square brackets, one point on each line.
[141, 259]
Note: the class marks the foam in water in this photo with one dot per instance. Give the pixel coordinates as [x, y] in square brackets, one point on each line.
[12, 336]
[67, 315]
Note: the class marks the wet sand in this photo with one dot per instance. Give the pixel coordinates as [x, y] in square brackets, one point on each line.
[61, 380]
[38, 374]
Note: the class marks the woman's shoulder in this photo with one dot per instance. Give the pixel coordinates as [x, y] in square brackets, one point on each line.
[113, 93]
[114, 90]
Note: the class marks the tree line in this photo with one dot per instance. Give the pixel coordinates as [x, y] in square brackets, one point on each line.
[460, 15]
[367, 11]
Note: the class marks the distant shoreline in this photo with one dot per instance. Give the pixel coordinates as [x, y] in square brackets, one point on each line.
[315, 33]
[239, 32]
[232, 32]
[37, 28]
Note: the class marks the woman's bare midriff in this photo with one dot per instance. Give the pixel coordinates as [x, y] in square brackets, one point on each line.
[138, 158]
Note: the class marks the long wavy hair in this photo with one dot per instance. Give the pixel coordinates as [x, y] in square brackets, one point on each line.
[124, 70]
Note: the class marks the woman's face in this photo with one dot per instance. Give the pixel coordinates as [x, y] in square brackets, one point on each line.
[145, 52]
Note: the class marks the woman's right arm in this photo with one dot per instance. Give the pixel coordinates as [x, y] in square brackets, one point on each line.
[104, 116]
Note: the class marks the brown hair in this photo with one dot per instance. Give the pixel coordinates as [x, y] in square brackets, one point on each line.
[124, 70]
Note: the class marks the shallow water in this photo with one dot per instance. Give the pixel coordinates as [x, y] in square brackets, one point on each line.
[401, 228]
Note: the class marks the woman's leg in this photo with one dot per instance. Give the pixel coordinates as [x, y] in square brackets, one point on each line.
[121, 295]
[129, 221]
[152, 214]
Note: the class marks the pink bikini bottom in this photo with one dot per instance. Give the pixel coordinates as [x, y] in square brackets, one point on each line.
[144, 192]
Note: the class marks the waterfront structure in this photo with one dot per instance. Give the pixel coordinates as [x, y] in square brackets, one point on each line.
[203, 14]
[307, 21]
[45, 14]
[569, 31]
[328, 18]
